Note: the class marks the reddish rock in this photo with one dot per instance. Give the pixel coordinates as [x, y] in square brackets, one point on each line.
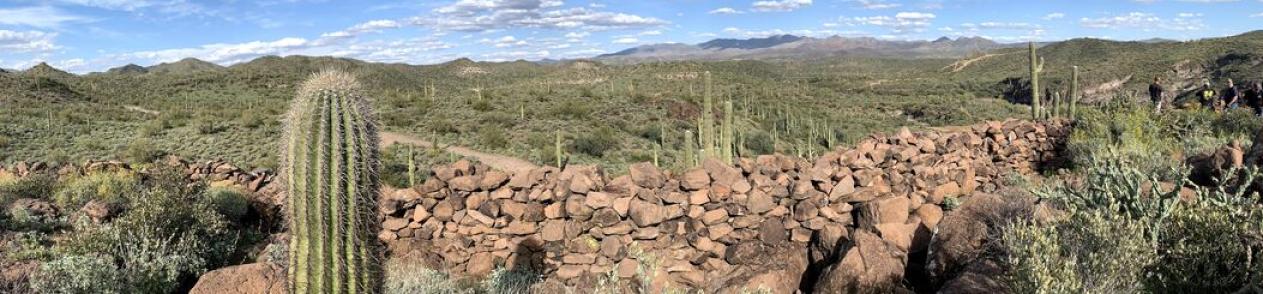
[254, 278]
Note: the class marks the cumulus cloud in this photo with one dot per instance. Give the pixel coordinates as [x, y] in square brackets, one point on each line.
[484, 15]
[504, 42]
[900, 23]
[1146, 21]
[725, 10]
[877, 4]
[780, 5]
[26, 42]
[1054, 15]
[626, 40]
[41, 17]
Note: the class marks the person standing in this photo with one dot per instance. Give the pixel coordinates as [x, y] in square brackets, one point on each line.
[1155, 94]
[1254, 98]
[1231, 96]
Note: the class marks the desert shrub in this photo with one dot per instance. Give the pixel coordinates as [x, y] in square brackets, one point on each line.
[1126, 133]
[493, 137]
[207, 126]
[407, 276]
[508, 281]
[75, 274]
[5, 141]
[1207, 249]
[229, 202]
[1240, 122]
[759, 142]
[597, 142]
[113, 187]
[28, 246]
[482, 106]
[141, 151]
[168, 235]
[39, 186]
[572, 109]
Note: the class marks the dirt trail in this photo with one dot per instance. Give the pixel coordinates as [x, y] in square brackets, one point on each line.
[962, 64]
[499, 162]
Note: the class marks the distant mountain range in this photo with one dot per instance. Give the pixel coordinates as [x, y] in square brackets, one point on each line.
[793, 47]
[186, 65]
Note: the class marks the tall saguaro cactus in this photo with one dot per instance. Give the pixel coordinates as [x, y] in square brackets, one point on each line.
[707, 125]
[1037, 66]
[331, 163]
[1074, 91]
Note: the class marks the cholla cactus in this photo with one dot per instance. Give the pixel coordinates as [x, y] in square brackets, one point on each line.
[331, 163]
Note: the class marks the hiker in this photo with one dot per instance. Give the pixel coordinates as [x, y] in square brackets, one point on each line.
[1254, 98]
[1230, 95]
[1207, 94]
[1155, 94]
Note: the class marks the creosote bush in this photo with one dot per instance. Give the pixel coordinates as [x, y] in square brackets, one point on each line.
[112, 187]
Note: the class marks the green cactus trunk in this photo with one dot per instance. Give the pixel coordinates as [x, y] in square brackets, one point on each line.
[726, 146]
[1074, 91]
[331, 162]
[558, 153]
[1037, 66]
[706, 125]
[689, 148]
[412, 167]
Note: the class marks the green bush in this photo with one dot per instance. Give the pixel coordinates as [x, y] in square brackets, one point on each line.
[141, 151]
[493, 137]
[39, 186]
[168, 235]
[757, 143]
[1208, 249]
[229, 202]
[76, 274]
[598, 142]
[112, 187]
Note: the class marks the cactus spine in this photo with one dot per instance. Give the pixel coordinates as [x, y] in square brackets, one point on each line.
[1037, 66]
[1074, 91]
[331, 163]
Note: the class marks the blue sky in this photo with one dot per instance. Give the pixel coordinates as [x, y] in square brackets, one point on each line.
[94, 35]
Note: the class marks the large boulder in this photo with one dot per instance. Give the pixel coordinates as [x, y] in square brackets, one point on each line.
[871, 265]
[254, 278]
[777, 269]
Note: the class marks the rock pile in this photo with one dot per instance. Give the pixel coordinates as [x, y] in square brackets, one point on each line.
[853, 216]
[218, 173]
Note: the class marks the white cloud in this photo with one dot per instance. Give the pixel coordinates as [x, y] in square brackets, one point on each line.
[991, 25]
[504, 42]
[626, 40]
[1054, 15]
[168, 7]
[725, 10]
[877, 4]
[650, 33]
[484, 15]
[1257, 15]
[1146, 22]
[26, 42]
[577, 35]
[40, 17]
[901, 23]
[780, 5]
